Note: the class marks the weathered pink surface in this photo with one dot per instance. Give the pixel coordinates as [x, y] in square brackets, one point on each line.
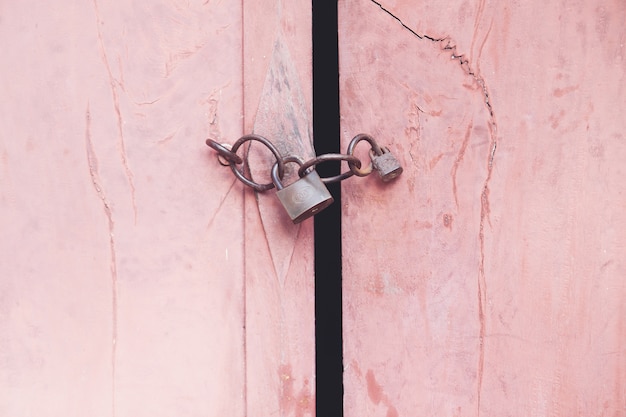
[280, 326]
[489, 278]
[131, 261]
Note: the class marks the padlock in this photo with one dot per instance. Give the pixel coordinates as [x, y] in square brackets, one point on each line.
[303, 198]
[386, 164]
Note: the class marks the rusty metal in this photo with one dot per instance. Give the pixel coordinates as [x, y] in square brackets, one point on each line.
[303, 198]
[374, 146]
[224, 152]
[240, 174]
[331, 157]
[382, 160]
[386, 164]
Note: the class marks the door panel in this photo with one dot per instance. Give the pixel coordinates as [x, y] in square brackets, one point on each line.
[280, 326]
[488, 278]
[135, 275]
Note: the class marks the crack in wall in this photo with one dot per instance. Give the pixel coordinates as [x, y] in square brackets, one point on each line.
[116, 105]
[448, 45]
[92, 162]
[458, 160]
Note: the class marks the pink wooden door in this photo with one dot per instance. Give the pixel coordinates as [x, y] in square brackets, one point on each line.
[489, 279]
[137, 276]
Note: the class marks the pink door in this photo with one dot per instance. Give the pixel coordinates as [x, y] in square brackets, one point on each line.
[489, 279]
[137, 276]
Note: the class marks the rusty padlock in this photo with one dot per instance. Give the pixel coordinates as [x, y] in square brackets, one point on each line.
[303, 198]
[386, 164]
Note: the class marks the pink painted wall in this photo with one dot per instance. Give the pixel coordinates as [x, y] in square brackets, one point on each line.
[129, 255]
[489, 278]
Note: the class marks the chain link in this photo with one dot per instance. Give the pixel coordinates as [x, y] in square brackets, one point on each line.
[224, 153]
[304, 169]
[227, 156]
[374, 147]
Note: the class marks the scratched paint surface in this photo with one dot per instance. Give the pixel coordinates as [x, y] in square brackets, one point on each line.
[280, 332]
[129, 255]
[489, 278]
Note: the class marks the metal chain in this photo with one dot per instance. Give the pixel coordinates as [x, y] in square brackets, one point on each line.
[230, 156]
[351, 159]
[227, 156]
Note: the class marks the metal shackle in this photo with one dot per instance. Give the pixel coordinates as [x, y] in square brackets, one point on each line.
[304, 197]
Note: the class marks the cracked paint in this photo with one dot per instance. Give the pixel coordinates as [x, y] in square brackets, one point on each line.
[281, 116]
[448, 45]
[503, 289]
[92, 162]
[111, 313]
[278, 254]
[449, 108]
[114, 83]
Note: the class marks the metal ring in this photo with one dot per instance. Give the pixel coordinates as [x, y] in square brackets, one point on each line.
[356, 170]
[278, 176]
[239, 174]
[351, 159]
[223, 160]
[222, 151]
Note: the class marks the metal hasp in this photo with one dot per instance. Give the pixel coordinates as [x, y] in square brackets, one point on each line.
[308, 195]
[303, 198]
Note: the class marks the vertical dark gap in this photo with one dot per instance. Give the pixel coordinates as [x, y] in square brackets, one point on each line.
[328, 338]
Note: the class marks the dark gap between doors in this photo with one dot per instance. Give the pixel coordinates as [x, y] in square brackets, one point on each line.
[328, 297]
